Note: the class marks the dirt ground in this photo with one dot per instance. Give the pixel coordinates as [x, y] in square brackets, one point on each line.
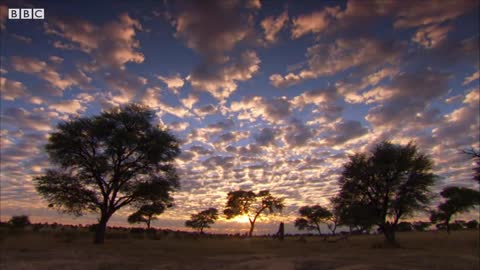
[428, 250]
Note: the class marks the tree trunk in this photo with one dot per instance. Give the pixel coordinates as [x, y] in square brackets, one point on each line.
[252, 225]
[148, 224]
[100, 231]
[389, 232]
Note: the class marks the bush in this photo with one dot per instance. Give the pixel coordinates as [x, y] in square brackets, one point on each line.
[472, 224]
[404, 227]
[19, 222]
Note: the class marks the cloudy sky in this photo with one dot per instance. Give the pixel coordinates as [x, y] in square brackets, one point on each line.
[263, 94]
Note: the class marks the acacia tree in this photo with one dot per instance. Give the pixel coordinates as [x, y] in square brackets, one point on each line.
[457, 200]
[392, 182]
[19, 222]
[147, 213]
[252, 205]
[203, 219]
[421, 225]
[106, 162]
[312, 217]
[354, 214]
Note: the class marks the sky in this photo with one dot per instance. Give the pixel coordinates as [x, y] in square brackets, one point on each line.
[262, 94]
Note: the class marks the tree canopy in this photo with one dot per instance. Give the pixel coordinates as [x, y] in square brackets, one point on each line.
[147, 213]
[106, 162]
[391, 182]
[457, 200]
[312, 217]
[252, 205]
[202, 219]
[19, 222]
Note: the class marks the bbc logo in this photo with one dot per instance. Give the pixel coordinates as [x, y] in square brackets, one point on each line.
[26, 13]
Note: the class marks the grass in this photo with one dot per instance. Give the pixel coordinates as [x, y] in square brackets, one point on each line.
[74, 250]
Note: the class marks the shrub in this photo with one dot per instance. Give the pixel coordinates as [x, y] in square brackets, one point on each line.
[19, 222]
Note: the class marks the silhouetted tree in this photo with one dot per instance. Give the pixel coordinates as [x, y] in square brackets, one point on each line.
[472, 224]
[421, 225]
[109, 161]
[355, 214]
[147, 213]
[203, 219]
[457, 200]
[392, 182]
[335, 219]
[404, 226]
[19, 222]
[312, 217]
[475, 154]
[252, 205]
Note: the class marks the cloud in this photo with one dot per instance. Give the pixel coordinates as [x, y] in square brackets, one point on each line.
[203, 111]
[68, 106]
[429, 12]
[465, 119]
[315, 22]
[272, 110]
[211, 28]
[408, 95]
[124, 85]
[254, 4]
[271, 26]
[173, 83]
[221, 81]
[297, 133]
[151, 97]
[326, 100]
[12, 90]
[473, 77]
[55, 59]
[189, 101]
[222, 125]
[26, 120]
[327, 59]
[346, 131]
[431, 36]
[111, 45]
[265, 137]
[219, 161]
[21, 38]
[48, 73]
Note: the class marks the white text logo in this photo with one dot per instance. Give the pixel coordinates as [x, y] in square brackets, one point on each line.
[26, 13]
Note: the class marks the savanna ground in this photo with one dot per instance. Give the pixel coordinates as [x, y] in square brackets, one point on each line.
[74, 250]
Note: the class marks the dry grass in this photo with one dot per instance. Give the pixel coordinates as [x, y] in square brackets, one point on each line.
[429, 250]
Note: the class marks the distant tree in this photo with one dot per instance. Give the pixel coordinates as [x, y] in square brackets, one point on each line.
[404, 226]
[19, 222]
[252, 205]
[472, 224]
[312, 217]
[336, 219]
[392, 182]
[462, 224]
[147, 213]
[109, 161]
[475, 154]
[203, 219]
[421, 225]
[457, 200]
